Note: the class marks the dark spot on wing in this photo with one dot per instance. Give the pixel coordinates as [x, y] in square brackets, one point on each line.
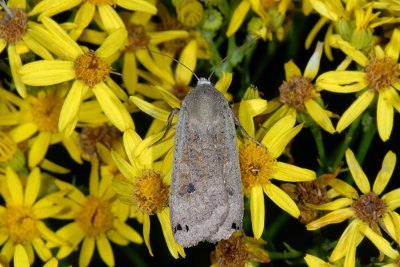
[187, 228]
[191, 188]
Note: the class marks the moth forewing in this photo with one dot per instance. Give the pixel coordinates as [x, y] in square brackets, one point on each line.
[206, 201]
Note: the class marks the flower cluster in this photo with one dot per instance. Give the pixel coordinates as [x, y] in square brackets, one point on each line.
[86, 146]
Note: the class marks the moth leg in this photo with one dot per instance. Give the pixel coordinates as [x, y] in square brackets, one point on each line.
[238, 124]
[169, 125]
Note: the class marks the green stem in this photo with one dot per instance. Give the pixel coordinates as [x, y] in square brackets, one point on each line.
[369, 131]
[349, 137]
[316, 131]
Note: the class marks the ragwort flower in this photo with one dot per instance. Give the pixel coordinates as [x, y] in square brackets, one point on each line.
[21, 219]
[368, 212]
[105, 9]
[89, 69]
[379, 78]
[144, 184]
[14, 34]
[299, 95]
[96, 220]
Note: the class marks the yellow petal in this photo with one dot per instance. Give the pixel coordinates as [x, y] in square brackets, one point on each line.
[333, 205]
[36, 47]
[248, 109]
[124, 167]
[128, 232]
[82, 19]
[41, 250]
[166, 227]
[105, 250]
[32, 187]
[69, 111]
[112, 107]
[343, 188]
[69, 48]
[385, 173]
[342, 81]
[313, 261]
[280, 134]
[138, 5]
[188, 58]
[237, 17]
[129, 72]
[14, 187]
[165, 36]
[112, 43]
[15, 65]
[257, 210]
[392, 199]
[20, 257]
[39, 148]
[313, 64]
[49, 8]
[146, 233]
[352, 113]
[281, 199]
[336, 216]
[291, 173]
[319, 115]
[47, 72]
[291, 69]
[168, 97]
[384, 115]
[87, 250]
[355, 54]
[51, 263]
[381, 243]
[392, 49]
[223, 84]
[358, 174]
[151, 109]
[23, 131]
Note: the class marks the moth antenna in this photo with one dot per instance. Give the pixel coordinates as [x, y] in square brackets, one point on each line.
[177, 61]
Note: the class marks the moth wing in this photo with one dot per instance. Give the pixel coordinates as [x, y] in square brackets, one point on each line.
[206, 200]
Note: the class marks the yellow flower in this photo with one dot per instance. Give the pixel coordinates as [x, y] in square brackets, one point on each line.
[272, 13]
[259, 166]
[313, 261]
[141, 36]
[298, 94]
[380, 77]
[367, 212]
[21, 218]
[14, 34]
[145, 185]
[96, 220]
[177, 84]
[89, 70]
[105, 9]
[354, 23]
[37, 121]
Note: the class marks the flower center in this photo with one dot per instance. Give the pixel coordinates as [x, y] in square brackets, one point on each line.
[95, 217]
[91, 69]
[137, 37]
[7, 147]
[382, 73]
[21, 224]
[231, 252]
[101, 2]
[90, 136]
[45, 112]
[295, 92]
[370, 208]
[13, 24]
[150, 193]
[256, 166]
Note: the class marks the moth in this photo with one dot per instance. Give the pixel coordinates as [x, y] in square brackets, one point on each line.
[206, 200]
